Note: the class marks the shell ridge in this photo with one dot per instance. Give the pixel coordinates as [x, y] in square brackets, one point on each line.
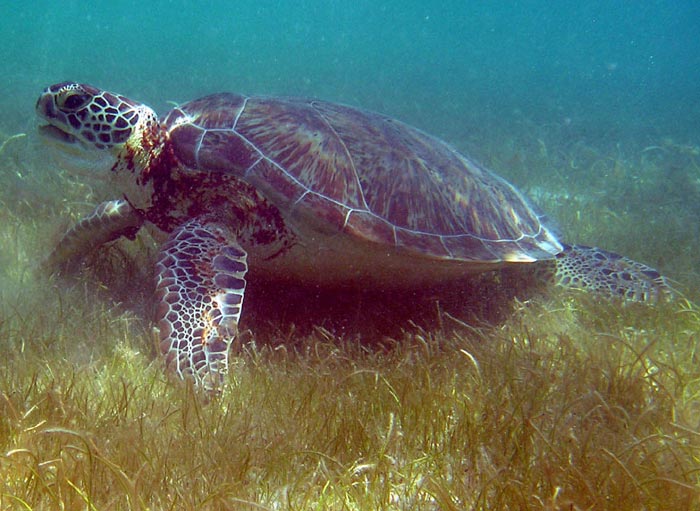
[238, 115]
[199, 145]
[278, 166]
[265, 157]
[301, 197]
[347, 217]
[437, 190]
[449, 252]
[347, 152]
[306, 189]
[247, 171]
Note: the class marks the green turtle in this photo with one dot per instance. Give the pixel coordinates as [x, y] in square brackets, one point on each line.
[304, 190]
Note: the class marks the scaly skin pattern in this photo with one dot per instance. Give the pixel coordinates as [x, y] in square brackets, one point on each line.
[606, 273]
[199, 292]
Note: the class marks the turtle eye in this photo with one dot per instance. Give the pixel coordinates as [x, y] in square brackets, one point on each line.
[72, 100]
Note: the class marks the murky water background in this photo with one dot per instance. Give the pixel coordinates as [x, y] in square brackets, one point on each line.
[629, 66]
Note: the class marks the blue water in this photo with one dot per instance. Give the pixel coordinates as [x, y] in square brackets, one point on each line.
[446, 66]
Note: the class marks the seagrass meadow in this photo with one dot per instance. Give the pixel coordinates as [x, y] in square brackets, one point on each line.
[500, 394]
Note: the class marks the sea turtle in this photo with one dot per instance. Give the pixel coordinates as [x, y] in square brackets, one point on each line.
[307, 190]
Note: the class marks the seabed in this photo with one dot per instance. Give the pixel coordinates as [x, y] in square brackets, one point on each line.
[556, 400]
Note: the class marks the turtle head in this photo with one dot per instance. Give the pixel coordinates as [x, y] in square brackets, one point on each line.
[81, 118]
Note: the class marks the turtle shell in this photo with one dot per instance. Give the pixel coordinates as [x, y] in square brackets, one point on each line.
[363, 174]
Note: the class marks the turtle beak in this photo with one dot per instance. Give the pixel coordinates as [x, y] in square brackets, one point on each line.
[46, 111]
[56, 134]
[45, 105]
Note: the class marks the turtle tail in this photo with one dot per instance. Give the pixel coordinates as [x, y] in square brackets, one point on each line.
[609, 274]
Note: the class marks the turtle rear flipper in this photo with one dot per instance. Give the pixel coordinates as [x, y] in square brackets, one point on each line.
[199, 294]
[609, 274]
[108, 221]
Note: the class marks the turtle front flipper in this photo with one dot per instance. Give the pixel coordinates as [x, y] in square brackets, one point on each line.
[107, 222]
[199, 294]
[609, 274]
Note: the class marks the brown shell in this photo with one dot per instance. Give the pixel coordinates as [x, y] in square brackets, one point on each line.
[361, 173]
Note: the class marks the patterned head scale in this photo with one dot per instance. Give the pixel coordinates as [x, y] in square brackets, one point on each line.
[81, 113]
